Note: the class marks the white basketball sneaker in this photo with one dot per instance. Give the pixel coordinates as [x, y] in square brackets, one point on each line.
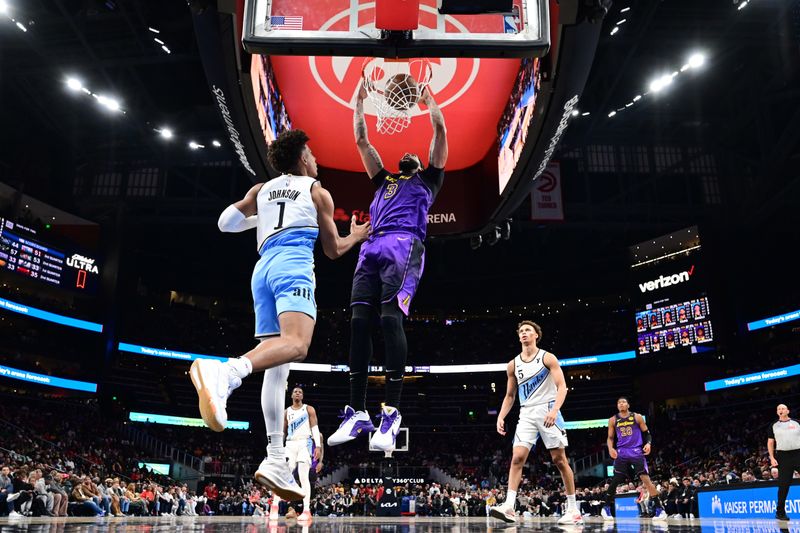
[384, 438]
[276, 476]
[214, 382]
[571, 516]
[354, 424]
[503, 512]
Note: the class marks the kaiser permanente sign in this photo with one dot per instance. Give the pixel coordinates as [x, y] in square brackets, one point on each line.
[749, 379]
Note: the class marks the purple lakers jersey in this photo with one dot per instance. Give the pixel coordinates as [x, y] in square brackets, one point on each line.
[629, 436]
[401, 203]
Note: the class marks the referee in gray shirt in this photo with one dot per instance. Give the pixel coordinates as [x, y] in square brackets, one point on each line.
[784, 452]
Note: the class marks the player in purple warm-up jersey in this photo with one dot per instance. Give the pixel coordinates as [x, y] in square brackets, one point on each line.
[388, 271]
[633, 440]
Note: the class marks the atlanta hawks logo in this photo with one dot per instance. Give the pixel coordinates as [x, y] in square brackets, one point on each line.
[339, 77]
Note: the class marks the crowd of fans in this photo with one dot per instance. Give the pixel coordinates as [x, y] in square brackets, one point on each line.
[72, 459]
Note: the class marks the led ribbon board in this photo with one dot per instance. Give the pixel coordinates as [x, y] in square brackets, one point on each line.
[180, 421]
[773, 320]
[50, 381]
[427, 369]
[164, 352]
[756, 377]
[50, 317]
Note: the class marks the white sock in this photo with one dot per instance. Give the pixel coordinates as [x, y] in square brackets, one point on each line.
[511, 498]
[273, 392]
[241, 366]
[571, 503]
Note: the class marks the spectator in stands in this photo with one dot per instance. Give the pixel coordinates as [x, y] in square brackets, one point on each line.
[686, 496]
[107, 494]
[82, 495]
[60, 495]
[166, 501]
[24, 489]
[136, 505]
[212, 494]
[6, 490]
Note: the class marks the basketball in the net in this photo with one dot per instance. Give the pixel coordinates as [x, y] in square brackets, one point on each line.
[402, 91]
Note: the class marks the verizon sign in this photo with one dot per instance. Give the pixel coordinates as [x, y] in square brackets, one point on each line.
[666, 281]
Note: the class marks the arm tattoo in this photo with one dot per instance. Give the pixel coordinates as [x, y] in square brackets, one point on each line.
[359, 124]
[437, 121]
[373, 155]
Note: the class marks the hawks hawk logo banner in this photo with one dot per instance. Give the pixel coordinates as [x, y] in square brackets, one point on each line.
[546, 201]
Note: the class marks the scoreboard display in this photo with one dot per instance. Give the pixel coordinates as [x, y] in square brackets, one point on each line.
[27, 252]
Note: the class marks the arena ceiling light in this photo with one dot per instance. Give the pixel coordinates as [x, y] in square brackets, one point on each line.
[216, 143]
[112, 104]
[3, 8]
[697, 60]
[658, 84]
[74, 84]
[195, 146]
[166, 133]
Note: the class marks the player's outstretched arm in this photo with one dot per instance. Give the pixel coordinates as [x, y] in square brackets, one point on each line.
[369, 155]
[241, 215]
[438, 153]
[333, 245]
[508, 400]
[551, 362]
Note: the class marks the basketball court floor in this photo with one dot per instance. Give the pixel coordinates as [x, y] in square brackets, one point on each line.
[225, 524]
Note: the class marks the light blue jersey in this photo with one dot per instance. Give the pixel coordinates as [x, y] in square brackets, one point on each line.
[283, 279]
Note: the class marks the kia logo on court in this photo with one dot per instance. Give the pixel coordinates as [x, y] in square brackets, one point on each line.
[339, 77]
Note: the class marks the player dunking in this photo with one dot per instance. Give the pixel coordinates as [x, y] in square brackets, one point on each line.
[389, 268]
[289, 213]
[536, 376]
[633, 442]
[302, 443]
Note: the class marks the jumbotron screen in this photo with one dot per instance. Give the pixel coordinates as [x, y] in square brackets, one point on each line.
[31, 254]
[672, 307]
[516, 119]
[674, 325]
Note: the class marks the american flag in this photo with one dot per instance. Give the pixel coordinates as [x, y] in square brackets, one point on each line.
[286, 23]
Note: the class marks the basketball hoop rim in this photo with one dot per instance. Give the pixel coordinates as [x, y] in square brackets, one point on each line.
[424, 60]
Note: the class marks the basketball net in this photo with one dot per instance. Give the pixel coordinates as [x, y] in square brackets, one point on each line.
[393, 108]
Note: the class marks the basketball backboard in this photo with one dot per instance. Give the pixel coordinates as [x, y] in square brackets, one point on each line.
[348, 28]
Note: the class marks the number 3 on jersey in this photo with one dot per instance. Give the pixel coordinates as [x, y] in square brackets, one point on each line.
[282, 207]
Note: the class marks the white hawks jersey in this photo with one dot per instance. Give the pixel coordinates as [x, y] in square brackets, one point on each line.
[535, 385]
[298, 423]
[285, 202]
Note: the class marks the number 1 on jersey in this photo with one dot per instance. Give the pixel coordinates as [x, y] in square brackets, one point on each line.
[280, 215]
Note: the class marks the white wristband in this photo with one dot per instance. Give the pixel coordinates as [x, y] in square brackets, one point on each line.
[233, 221]
[315, 436]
